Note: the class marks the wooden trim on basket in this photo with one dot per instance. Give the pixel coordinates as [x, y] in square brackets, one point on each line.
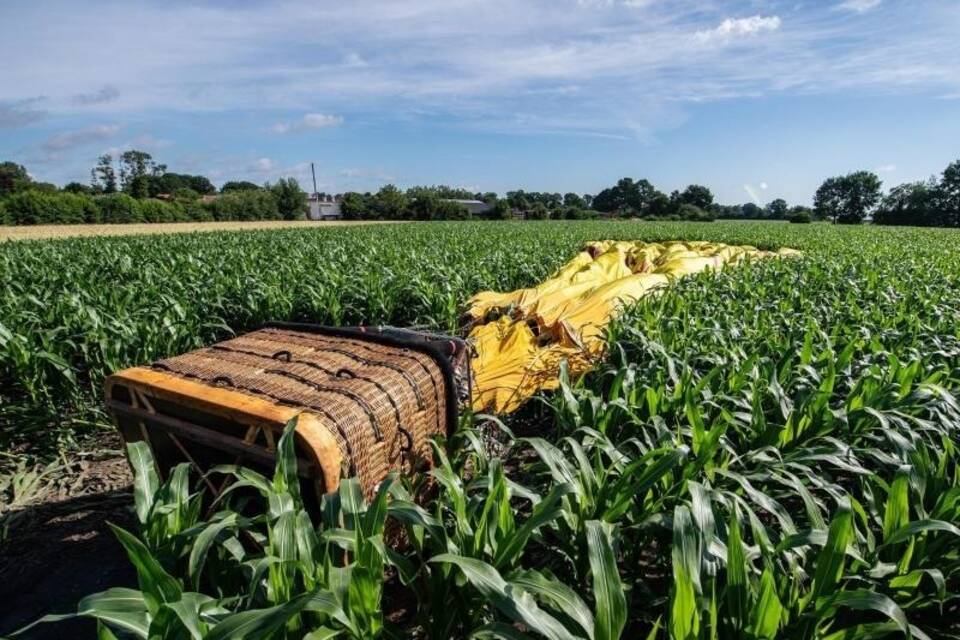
[245, 410]
[323, 448]
[225, 403]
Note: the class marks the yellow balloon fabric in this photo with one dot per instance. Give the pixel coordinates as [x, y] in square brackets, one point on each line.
[522, 337]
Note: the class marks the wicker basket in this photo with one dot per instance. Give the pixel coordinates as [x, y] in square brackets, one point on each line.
[367, 401]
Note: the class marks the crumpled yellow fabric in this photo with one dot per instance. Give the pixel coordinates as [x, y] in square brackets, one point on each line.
[521, 337]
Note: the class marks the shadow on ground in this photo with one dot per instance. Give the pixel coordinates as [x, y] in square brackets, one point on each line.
[56, 553]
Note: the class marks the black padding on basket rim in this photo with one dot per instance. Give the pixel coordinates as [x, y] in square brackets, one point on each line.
[373, 334]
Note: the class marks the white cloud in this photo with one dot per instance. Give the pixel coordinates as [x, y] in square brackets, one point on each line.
[320, 120]
[354, 59]
[740, 27]
[886, 168]
[81, 137]
[307, 122]
[857, 6]
[264, 165]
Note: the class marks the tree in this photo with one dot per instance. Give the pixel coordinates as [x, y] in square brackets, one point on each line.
[913, 203]
[44, 187]
[646, 199]
[828, 200]
[848, 199]
[575, 213]
[103, 179]
[238, 185]
[201, 184]
[119, 208]
[13, 178]
[751, 211]
[948, 195]
[659, 204]
[31, 206]
[185, 194]
[614, 198]
[291, 199]
[246, 205]
[452, 193]
[573, 200]
[777, 209]
[389, 203]
[158, 211]
[353, 206]
[450, 210]
[435, 203]
[76, 187]
[518, 200]
[135, 169]
[502, 210]
[688, 211]
[168, 182]
[538, 211]
[631, 198]
[551, 200]
[425, 205]
[695, 194]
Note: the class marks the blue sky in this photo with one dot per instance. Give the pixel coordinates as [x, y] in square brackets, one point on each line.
[757, 99]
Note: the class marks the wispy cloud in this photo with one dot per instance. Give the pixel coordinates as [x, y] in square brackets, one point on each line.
[19, 114]
[358, 176]
[886, 168]
[732, 27]
[81, 137]
[858, 6]
[308, 122]
[106, 93]
[264, 165]
[354, 59]
[148, 142]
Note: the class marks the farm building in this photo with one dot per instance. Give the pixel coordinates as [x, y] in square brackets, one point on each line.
[473, 207]
[324, 207]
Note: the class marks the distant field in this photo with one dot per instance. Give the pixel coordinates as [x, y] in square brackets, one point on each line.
[73, 230]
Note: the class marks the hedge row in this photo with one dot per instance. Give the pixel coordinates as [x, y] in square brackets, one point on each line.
[35, 207]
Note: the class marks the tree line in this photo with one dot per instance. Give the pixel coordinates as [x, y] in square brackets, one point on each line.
[416, 203]
[440, 202]
[630, 198]
[857, 196]
[136, 189]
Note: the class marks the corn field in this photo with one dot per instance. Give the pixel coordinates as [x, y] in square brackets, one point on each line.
[771, 452]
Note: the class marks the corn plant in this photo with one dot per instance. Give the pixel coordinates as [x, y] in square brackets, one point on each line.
[274, 575]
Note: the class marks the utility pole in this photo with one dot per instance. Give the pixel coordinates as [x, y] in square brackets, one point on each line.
[314, 174]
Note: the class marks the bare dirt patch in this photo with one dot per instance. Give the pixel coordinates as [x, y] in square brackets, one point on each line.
[60, 550]
[43, 232]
